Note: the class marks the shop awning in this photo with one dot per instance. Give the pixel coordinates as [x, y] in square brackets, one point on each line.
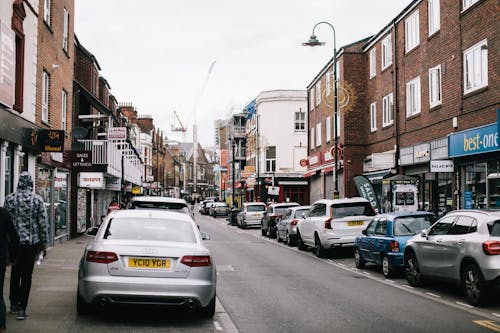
[310, 173]
[326, 170]
[378, 175]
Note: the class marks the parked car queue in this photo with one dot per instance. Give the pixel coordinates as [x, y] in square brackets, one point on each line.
[462, 247]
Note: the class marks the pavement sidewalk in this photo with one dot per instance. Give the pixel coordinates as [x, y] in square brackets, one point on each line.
[52, 301]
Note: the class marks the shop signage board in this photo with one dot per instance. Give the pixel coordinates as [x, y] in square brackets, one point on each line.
[273, 190]
[366, 190]
[117, 133]
[44, 140]
[113, 184]
[81, 160]
[477, 140]
[60, 180]
[442, 166]
[91, 180]
[468, 200]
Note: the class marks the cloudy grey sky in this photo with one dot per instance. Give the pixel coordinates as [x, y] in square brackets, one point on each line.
[157, 53]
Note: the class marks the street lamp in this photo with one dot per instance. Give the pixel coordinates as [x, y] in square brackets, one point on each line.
[233, 144]
[313, 41]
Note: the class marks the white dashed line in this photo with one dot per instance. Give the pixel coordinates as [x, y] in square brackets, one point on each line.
[366, 273]
[496, 314]
[340, 264]
[466, 305]
[407, 286]
[390, 281]
[217, 326]
[433, 295]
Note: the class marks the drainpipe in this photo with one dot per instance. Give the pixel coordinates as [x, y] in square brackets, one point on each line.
[396, 99]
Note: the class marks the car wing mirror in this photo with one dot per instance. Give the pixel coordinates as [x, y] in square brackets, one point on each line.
[424, 234]
[364, 232]
[92, 231]
[205, 236]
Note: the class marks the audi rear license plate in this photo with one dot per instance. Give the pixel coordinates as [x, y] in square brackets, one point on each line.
[354, 223]
[149, 263]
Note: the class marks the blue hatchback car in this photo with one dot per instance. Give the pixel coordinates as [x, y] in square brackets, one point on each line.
[383, 241]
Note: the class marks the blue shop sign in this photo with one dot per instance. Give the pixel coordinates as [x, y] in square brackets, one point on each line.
[478, 140]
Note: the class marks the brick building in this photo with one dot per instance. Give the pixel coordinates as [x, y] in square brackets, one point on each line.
[415, 87]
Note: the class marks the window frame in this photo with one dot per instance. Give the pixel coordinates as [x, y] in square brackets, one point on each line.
[64, 110]
[373, 62]
[318, 134]
[417, 102]
[482, 46]
[388, 113]
[47, 11]
[466, 4]
[270, 161]
[312, 138]
[412, 31]
[432, 86]
[300, 121]
[328, 129]
[328, 80]
[65, 41]
[318, 93]
[386, 46]
[433, 16]
[373, 117]
[45, 96]
[311, 99]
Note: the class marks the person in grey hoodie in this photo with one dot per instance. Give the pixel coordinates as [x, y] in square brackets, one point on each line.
[29, 215]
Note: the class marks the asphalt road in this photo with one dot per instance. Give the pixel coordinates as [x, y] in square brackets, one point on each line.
[268, 287]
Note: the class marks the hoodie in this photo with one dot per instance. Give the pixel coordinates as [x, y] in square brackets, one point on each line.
[28, 212]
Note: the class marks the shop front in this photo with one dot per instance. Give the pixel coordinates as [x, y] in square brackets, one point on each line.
[477, 167]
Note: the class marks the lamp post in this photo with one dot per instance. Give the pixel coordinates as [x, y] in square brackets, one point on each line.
[313, 41]
[233, 144]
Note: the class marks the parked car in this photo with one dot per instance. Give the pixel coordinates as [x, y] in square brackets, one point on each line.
[271, 217]
[333, 223]
[286, 229]
[462, 247]
[219, 209]
[207, 206]
[147, 256]
[251, 214]
[152, 202]
[383, 241]
[203, 205]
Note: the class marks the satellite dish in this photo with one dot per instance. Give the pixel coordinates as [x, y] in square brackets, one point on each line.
[79, 132]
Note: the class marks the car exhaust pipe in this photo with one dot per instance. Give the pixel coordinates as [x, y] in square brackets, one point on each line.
[189, 304]
[102, 302]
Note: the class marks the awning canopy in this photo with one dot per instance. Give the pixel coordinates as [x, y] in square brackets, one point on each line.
[310, 173]
[377, 175]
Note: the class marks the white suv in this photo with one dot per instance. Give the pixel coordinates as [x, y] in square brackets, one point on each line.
[333, 223]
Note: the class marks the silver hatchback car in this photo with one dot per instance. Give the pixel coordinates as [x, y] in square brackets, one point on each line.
[147, 256]
[463, 247]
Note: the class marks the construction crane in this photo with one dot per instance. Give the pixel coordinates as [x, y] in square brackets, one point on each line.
[181, 127]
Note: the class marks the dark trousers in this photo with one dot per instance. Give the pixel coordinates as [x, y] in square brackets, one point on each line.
[20, 276]
[3, 263]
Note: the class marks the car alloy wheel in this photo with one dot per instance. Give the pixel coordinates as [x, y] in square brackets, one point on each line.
[300, 243]
[358, 261]
[473, 284]
[320, 251]
[412, 270]
[386, 267]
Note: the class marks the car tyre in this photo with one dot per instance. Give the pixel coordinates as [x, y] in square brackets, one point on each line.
[270, 232]
[412, 270]
[208, 311]
[82, 307]
[475, 288]
[320, 251]
[300, 243]
[290, 241]
[387, 270]
[263, 231]
[278, 238]
[358, 260]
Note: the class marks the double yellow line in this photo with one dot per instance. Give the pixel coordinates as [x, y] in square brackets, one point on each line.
[492, 325]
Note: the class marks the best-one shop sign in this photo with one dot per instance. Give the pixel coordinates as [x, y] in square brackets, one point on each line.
[92, 180]
[478, 140]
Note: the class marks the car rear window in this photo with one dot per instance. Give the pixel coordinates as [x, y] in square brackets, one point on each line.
[352, 209]
[157, 205]
[411, 225]
[494, 228]
[150, 229]
[256, 208]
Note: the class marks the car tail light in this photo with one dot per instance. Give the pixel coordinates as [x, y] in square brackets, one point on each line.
[196, 261]
[491, 247]
[294, 222]
[394, 246]
[328, 223]
[101, 257]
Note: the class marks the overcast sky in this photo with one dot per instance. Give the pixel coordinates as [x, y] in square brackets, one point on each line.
[157, 53]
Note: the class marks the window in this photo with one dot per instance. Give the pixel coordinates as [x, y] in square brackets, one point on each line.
[318, 93]
[328, 129]
[46, 11]
[352, 209]
[386, 51]
[337, 127]
[387, 113]
[411, 225]
[442, 226]
[373, 117]
[413, 97]
[467, 3]
[370, 230]
[271, 159]
[312, 138]
[300, 121]
[311, 99]
[64, 109]
[434, 13]
[381, 229]
[328, 85]
[65, 30]
[412, 37]
[318, 134]
[373, 63]
[463, 225]
[476, 67]
[318, 210]
[45, 96]
[435, 86]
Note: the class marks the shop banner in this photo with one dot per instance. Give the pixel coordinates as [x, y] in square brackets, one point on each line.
[366, 190]
[468, 200]
[478, 140]
[92, 180]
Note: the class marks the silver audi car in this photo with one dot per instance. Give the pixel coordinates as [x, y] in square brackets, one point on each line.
[463, 247]
[147, 256]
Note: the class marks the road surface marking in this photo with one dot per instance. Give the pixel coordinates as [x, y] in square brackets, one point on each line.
[390, 281]
[341, 264]
[223, 316]
[366, 273]
[488, 324]
[466, 305]
[433, 295]
[217, 326]
[496, 314]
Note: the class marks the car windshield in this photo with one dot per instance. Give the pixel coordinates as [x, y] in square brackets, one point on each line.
[149, 229]
[300, 212]
[494, 228]
[352, 209]
[256, 208]
[411, 225]
[157, 205]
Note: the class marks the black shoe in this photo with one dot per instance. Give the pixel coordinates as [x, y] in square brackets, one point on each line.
[21, 314]
[13, 309]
